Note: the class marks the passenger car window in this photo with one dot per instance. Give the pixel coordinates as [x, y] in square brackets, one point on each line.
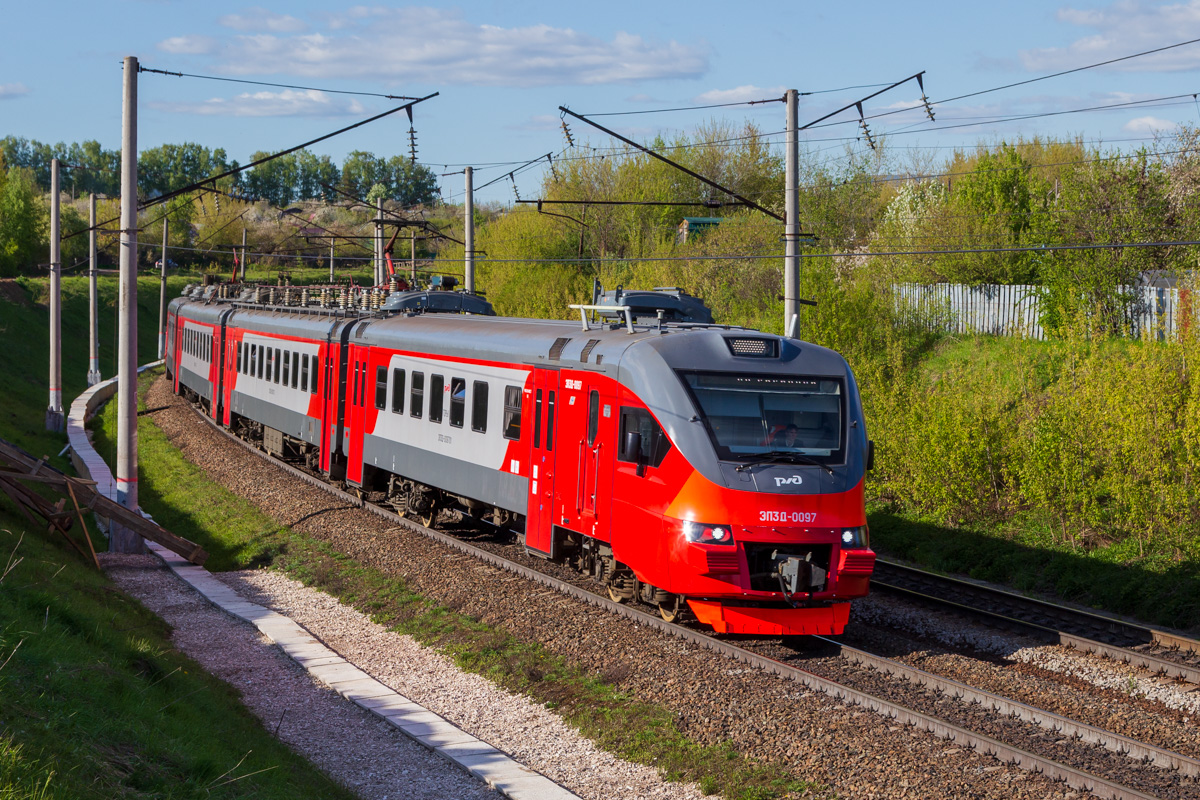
[512, 412]
[437, 389]
[479, 404]
[397, 391]
[417, 398]
[458, 401]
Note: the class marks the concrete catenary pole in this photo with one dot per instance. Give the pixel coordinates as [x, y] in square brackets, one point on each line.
[162, 297]
[54, 412]
[791, 230]
[331, 262]
[380, 270]
[93, 376]
[412, 260]
[243, 254]
[469, 233]
[121, 539]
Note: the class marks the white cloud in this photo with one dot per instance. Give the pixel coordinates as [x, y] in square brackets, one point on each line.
[1123, 28]
[640, 98]
[1147, 125]
[287, 103]
[188, 45]
[432, 46]
[260, 19]
[741, 94]
[10, 90]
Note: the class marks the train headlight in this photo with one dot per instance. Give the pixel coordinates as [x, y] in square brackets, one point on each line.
[856, 538]
[701, 533]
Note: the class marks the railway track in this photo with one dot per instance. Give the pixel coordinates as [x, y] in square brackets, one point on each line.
[1157, 651]
[1139, 753]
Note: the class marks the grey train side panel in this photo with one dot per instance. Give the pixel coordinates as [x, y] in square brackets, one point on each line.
[487, 485]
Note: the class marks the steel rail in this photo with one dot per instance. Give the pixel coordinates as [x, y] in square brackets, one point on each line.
[1146, 634]
[1075, 778]
[1118, 743]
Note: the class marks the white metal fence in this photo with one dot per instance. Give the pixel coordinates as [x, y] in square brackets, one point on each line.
[1016, 310]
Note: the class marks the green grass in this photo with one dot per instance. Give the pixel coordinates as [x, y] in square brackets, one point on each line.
[94, 700]
[237, 536]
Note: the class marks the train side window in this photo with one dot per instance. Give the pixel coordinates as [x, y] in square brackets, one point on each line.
[458, 401]
[262, 361]
[537, 419]
[479, 404]
[239, 357]
[287, 367]
[295, 369]
[380, 387]
[279, 357]
[354, 388]
[304, 373]
[655, 444]
[417, 394]
[512, 412]
[397, 391]
[593, 416]
[437, 388]
[362, 387]
[550, 420]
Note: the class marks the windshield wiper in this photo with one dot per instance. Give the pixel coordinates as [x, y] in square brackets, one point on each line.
[777, 456]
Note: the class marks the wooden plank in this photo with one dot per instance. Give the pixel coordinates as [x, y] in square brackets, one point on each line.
[96, 501]
[83, 524]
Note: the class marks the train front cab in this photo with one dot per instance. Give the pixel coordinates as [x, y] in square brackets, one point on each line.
[777, 546]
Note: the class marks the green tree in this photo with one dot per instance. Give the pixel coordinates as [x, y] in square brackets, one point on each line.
[23, 221]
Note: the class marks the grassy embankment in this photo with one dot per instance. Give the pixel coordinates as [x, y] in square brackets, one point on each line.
[94, 700]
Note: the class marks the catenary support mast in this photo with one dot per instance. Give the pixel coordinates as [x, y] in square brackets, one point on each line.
[121, 539]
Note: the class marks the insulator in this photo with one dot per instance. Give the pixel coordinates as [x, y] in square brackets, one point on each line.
[274, 296]
[325, 298]
[928, 108]
[287, 296]
[342, 297]
[412, 144]
[304, 297]
[567, 130]
[392, 285]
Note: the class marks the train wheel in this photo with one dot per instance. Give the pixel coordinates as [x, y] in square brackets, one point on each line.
[672, 609]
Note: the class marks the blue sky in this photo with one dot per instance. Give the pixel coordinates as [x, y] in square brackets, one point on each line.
[503, 69]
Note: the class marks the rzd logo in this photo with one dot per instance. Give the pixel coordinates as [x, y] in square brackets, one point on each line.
[795, 479]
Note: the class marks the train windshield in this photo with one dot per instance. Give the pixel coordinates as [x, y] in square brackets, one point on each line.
[749, 415]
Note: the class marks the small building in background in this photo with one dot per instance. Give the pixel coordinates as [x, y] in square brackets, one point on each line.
[691, 226]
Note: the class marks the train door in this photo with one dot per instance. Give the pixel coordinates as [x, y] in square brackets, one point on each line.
[539, 517]
[596, 453]
[356, 414]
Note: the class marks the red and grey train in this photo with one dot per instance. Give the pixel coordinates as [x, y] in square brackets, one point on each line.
[678, 462]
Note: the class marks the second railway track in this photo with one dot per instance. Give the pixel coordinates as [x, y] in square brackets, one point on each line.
[1165, 653]
[1166, 762]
